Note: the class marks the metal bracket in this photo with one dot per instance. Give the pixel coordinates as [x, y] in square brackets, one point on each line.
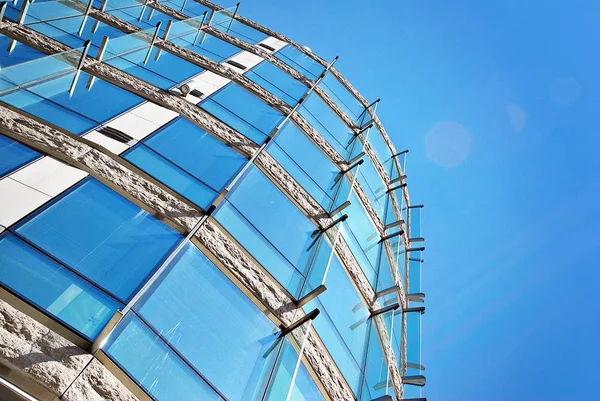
[416, 239]
[85, 17]
[102, 8]
[420, 249]
[413, 399]
[20, 20]
[420, 309]
[183, 6]
[309, 316]
[395, 188]
[401, 153]
[152, 43]
[331, 225]
[358, 163]
[368, 107]
[143, 9]
[416, 297]
[392, 307]
[416, 206]
[339, 208]
[357, 157]
[418, 380]
[310, 296]
[395, 180]
[237, 6]
[165, 36]
[3, 6]
[200, 29]
[387, 291]
[86, 48]
[394, 224]
[99, 56]
[390, 236]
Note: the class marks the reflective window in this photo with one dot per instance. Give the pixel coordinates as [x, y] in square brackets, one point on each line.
[243, 111]
[327, 123]
[187, 159]
[279, 83]
[53, 288]
[41, 88]
[202, 314]
[300, 61]
[380, 147]
[223, 22]
[185, 34]
[265, 222]
[14, 155]
[191, 8]
[101, 235]
[304, 161]
[362, 238]
[371, 182]
[342, 96]
[153, 365]
[376, 381]
[342, 324]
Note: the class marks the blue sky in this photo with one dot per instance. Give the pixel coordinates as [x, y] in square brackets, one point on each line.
[499, 104]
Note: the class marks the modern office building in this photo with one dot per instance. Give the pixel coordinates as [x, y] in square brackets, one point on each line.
[195, 207]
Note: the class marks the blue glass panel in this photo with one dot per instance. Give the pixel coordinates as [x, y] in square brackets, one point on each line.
[300, 61]
[190, 8]
[259, 247]
[14, 155]
[197, 152]
[343, 324]
[303, 389]
[279, 83]
[53, 288]
[243, 111]
[376, 382]
[185, 34]
[327, 123]
[307, 155]
[372, 183]
[101, 235]
[380, 147]
[223, 22]
[171, 175]
[342, 96]
[212, 323]
[155, 367]
[274, 215]
[20, 54]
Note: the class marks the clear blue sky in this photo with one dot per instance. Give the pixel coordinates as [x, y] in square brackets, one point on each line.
[499, 104]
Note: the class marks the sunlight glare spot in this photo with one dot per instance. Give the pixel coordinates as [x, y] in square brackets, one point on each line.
[447, 144]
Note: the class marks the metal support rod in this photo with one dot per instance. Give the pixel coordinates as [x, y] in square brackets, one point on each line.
[383, 398]
[332, 224]
[212, 14]
[97, 23]
[357, 157]
[3, 6]
[416, 297]
[398, 179]
[339, 208]
[394, 224]
[392, 307]
[86, 48]
[20, 20]
[310, 296]
[237, 6]
[420, 309]
[309, 316]
[369, 123]
[414, 380]
[421, 249]
[368, 107]
[363, 129]
[416, 260]
[416, 239]
[143, 9]
[99, 56]
[395, 188]
[183, 5]
[199, 29]
[151, 13]
[399, 154]
[165, 36]
[416, 206]
[152, 42]
[85, 17]
[413, 399]
[387, 291]
[358, 163]
[390, 236]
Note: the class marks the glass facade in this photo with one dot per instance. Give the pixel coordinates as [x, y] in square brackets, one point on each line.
[223, 310]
